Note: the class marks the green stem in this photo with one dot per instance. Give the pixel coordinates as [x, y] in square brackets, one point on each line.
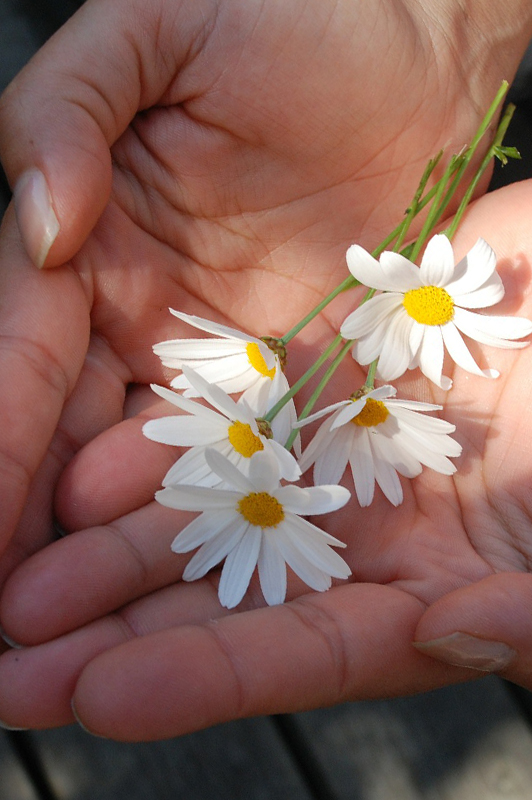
[464, 160]
[497, 141]
[303, 380]
[415, 206]
[348, 283]
[370, 380]
[319, 389]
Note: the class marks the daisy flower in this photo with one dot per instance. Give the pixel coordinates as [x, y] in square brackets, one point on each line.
[235, 361]
[257, 523]
[423, 309]
[229, 427]
[379, 437]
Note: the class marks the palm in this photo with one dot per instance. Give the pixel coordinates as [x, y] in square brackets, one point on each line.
[221, 206]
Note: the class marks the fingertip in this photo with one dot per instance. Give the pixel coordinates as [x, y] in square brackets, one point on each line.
[56, 212]
[36, 217]
[484, 626]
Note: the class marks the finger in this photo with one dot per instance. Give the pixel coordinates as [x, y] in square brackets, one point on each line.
[485, 626]
[104, 376]
[319, 650]
[99, 570]
[73, 100]
[39, 681]
[111, 476]
[44, 333]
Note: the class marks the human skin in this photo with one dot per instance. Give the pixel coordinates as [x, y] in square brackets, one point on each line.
[220, 158]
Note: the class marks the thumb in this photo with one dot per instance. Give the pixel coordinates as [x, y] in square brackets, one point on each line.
[485, 626]
[62, 113]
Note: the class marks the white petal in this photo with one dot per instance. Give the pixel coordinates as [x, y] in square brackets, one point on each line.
[228, 472]
[214, 327]
[408, 414]
[382, 392]
[174, 351]
[310, 532]
[369, 347]
[322, 413]
[390, 449]
[400, 273]
[430, 355]
[314, 577]
[480, 327]
[349, 411]
[362, 468]
[264, 471]
[230, 372]
[272, 571]
[286, 419]
[186, 431]
[196, 498]
[430, 458]
[392, 272]
[256, 396]
[190, 406]
[201, 529]
[396, 353]
[488, 295]
[215, 550]
[363, 266]
[428, 437]
[310, 542]
[437, 264]
[216, 396]
[289, 468]
[413, 405]
[388, 480]
[313, 499]
[370, 315]
[473, 270]
[191, 469]
[315, 447]
[238, 568]
[460, 354]
[330, 464]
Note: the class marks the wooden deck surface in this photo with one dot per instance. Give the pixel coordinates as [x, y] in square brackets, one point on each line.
[469, 742]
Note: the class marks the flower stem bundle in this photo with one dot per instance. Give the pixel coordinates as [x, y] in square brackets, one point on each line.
[238, 415]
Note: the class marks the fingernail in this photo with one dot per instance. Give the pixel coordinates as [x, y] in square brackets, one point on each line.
[6, 727]
[462, 650]
[82, 725]
[36, 217]
[8, 640]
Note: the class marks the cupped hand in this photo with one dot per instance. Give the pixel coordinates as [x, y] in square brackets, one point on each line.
[230, 154]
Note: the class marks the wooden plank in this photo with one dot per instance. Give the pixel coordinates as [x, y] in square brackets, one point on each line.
[467, 742]
[244, 760]
[14, 781]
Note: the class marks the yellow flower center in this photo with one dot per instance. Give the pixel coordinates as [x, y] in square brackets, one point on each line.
[429, 305]
[256, 359]
[261, 509]
[243, 439]
[373, 413]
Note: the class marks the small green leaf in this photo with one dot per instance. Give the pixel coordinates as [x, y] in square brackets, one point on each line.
[504, 153]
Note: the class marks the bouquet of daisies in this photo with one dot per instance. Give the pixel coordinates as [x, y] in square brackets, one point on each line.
[237, 416]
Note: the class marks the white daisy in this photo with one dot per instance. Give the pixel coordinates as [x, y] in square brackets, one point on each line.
[379, 437]
[235, 361]
[257, 524]
[230, 427]
[424, 308]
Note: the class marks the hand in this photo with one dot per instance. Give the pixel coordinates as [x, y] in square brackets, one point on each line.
[246, 141]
